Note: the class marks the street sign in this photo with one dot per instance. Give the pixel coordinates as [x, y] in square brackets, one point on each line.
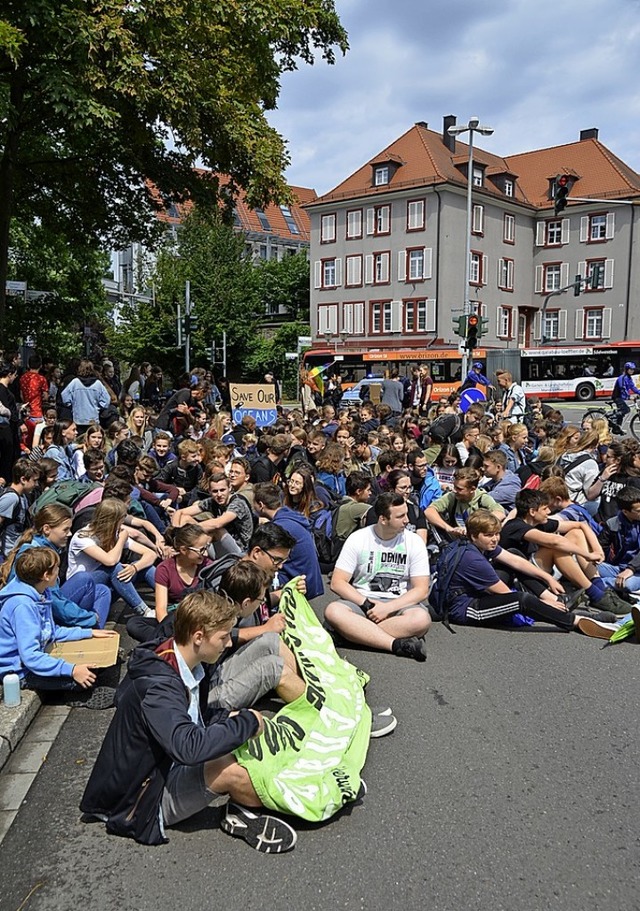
[291, 355]
[16, 286]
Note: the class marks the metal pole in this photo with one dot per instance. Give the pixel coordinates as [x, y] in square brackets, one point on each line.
[467, 263]
[187, 334]
[224, 352]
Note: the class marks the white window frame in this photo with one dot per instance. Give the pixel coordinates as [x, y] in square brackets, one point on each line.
[328, 228]
[381, 263]
[354, 224]
[382, 223]
[504, 322]
[353, 270]
[330, 280]
[554, 227]
[556, 284]
[415, 215]
[597, 232]
[381, 175]
[509, 228]
[505, 273]
[477, 219]
[415, 264]
[509, 187]
[477, 176]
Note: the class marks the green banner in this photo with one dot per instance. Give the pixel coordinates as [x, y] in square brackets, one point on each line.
[309, 758]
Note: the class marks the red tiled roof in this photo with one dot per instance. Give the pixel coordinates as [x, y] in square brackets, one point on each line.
[248, 218]
[426, 161]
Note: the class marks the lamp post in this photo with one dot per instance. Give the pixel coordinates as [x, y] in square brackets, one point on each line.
[474, 126]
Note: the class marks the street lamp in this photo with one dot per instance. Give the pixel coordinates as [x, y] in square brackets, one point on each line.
[474, 126]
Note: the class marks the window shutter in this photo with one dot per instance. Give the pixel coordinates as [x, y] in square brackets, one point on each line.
[402, 265]
[368, 270]
[338, 262]
[539, 279]
[428, 259]
[564, 275]
[317, 274]
[537, 325]
[499, 317]
[541, 229]
[510, 265]
[562, 324]
[384, 219]
[396, 316]
[431, 314]
[483, 310]
[477, 224]
[371, 215]
[485, 270]
[579, 333]
[582, 269]
[606, 322]
[500, 264]
[611, 221]
[322, 320]
[358, 319]
[608, 273]
[333, 319]
[384, 270]
[564, 231]
[347, 318]
[584, 229]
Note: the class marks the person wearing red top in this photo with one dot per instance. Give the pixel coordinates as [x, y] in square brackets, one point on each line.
[34, 390]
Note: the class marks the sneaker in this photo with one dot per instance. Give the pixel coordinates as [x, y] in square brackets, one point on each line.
[410, 647]
[635, 614]
[595, 629]
[611, 601]
[604, 616]
[381, 725]
[98, 698]
[267, 834]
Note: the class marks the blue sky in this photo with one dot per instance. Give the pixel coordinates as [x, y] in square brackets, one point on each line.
[537, 71]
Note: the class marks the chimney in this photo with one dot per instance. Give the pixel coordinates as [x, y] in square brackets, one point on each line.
[449, 141]
[589, 134]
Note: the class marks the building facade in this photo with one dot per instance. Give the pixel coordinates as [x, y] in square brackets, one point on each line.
[388, 247]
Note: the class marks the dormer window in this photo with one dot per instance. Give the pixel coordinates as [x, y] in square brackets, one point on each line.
[508, 186]
[478, 176]
[381, 175]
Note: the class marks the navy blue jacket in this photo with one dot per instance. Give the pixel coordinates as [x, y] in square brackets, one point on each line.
[303, 559]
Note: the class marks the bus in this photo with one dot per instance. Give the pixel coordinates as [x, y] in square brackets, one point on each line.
[580, 373]
[445, 364]
[577, 373]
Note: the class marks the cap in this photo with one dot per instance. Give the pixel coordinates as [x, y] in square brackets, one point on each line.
[478, 365]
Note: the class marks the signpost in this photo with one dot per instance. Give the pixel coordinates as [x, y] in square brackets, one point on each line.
[259, 401]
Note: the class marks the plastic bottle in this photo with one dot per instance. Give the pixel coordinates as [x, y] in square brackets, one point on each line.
[11, 690]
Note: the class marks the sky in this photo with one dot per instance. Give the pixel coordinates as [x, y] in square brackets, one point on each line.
[537, 71]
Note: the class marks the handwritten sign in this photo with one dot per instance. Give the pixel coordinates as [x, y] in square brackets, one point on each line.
[259, 401]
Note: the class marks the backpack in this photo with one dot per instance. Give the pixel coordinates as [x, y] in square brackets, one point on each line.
[440, 590]
[444, 427]
[323, 524]
[12, 519]
[66, 493]
[211, 575]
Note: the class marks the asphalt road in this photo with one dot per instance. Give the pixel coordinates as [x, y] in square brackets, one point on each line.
[511, 782]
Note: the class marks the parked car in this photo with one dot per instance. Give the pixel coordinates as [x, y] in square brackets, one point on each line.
[361, 391]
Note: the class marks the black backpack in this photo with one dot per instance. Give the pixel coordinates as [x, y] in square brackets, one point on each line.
[210, 576]
[444, 428]
[323, 527]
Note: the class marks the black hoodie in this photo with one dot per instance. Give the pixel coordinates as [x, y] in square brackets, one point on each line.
[150, 731]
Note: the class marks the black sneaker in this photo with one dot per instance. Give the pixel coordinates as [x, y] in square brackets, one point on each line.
[267, 834]
[410, 647]
[602, 616]
[610, 601]
[382, 724]
[98, 698]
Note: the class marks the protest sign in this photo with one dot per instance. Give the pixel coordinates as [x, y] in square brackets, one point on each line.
[256, 400]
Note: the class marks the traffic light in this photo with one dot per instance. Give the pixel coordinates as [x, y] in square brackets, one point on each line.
[577, 286]
[560, 193]
[473, 326]
[595, 276]
[460, 326]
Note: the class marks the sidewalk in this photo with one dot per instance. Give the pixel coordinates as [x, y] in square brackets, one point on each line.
[14, 723]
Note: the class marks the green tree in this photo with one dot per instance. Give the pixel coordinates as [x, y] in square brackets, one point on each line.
[269, 354]
[100, 97]
[211, 256]
[285, 283]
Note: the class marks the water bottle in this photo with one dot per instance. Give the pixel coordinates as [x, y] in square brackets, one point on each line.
[11, 690]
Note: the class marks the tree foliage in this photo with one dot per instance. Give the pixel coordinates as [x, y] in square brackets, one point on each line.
[285, 283]
[98, 97]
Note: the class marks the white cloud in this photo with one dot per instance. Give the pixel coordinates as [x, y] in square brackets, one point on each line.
[538, 72]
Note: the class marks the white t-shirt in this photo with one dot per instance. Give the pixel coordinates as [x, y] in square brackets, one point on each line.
[379, 569]
[79, 561]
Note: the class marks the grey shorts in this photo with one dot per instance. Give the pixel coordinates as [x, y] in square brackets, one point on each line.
[247, 675]
[356, 609]
[185, 794]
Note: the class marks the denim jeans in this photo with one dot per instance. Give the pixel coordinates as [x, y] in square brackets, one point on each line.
[125, 590]
[83, 591]
[608, 573]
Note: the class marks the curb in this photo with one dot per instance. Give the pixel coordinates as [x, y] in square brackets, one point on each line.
[14, 723]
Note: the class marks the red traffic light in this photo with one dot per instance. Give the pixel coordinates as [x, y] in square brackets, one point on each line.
[562, 181]
[472, 320]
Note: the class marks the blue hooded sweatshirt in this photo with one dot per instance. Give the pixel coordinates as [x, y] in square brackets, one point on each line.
[27, 628]
[65, 611]
[303, 559]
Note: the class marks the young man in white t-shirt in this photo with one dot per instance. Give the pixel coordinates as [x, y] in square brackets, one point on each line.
[382, 580]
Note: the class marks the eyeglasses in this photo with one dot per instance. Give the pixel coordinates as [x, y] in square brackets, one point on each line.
[277, 561]
[199, 550]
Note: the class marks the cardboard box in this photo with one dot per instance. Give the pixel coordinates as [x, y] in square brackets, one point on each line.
[96, 652]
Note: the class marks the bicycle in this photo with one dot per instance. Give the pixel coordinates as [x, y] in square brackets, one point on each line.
[609, 411]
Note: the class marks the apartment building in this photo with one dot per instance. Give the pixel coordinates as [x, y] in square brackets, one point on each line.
[388, 246]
